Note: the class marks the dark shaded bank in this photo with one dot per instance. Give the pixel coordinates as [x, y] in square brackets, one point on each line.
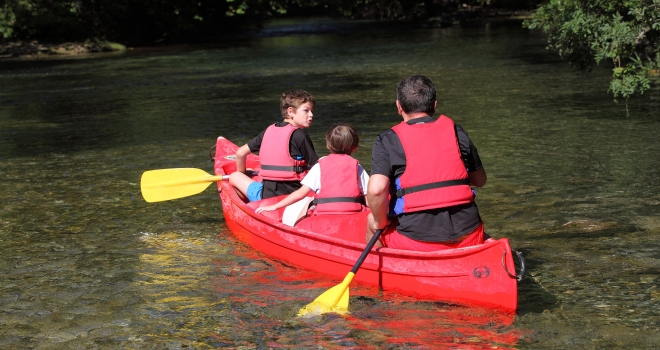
[468, 16]
[36, 49]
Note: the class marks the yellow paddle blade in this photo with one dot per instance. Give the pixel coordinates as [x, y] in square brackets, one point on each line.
[334, 300]
[166, 184]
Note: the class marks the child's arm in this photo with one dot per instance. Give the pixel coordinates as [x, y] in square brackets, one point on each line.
[290, 199]
[241, 156]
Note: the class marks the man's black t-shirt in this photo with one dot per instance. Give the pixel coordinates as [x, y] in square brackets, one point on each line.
[435, 225]
[299, 144]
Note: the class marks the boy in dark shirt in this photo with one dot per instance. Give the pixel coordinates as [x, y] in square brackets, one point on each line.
[285, 150]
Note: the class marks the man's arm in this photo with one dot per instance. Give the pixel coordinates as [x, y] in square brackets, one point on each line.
[471, 158]
[478, 177]
[378, 199]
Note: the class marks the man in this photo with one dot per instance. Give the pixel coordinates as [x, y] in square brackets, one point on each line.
[422, 169]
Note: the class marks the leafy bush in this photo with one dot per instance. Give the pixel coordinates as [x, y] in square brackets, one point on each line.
[625, 32]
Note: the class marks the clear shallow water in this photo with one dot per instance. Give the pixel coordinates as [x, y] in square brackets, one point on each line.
[85, 262]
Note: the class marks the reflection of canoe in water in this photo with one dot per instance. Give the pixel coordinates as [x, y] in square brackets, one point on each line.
[330, 244]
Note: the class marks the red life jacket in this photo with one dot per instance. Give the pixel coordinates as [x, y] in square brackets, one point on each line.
[339, 191]
[435, 175]
[275, 157]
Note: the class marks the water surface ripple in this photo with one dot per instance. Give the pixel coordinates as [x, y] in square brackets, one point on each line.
[86, 263]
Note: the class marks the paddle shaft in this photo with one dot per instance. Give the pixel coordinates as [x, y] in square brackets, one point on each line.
[253, 173]
[209, 178]
[366, 251]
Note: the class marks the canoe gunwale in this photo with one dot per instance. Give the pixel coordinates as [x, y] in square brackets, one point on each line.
[227, 190]
[381, 252]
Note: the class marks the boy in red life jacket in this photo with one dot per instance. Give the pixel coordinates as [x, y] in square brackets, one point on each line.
[422, 169]
[285, 150]
[339, 181]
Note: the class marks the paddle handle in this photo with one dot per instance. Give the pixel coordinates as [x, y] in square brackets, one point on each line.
[366, 251]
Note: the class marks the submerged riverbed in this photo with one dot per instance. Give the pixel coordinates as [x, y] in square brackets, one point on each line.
[85, 262]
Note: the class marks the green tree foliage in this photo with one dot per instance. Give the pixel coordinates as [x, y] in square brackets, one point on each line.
[129, 21]
[412, 10]
[625, 32]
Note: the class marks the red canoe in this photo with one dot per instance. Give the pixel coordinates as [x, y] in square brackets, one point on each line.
[482, 275]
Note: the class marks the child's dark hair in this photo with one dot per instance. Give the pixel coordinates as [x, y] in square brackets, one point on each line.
[294, 98]
[342, 138]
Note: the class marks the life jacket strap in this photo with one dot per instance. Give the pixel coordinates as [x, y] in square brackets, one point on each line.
[317, 201]
[408, 190]
[297, 169]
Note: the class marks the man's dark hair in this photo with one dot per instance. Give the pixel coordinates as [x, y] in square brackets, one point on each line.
[416, 93]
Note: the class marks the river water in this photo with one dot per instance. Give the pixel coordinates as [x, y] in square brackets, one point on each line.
[85, 262]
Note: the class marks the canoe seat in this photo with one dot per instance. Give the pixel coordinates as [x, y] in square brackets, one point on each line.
[350, 227]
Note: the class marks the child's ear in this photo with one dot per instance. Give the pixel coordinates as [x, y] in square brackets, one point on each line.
[290, 111]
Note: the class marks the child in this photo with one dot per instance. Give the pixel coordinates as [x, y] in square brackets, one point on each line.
[285, 150]
[339, 181]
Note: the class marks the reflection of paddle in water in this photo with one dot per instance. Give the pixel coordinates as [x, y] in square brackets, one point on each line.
[336, 298]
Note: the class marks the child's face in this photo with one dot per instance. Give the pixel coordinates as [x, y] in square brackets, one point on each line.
[301, 117]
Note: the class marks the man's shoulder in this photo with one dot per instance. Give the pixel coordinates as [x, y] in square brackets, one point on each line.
[460, 132]
[387, 138]
[389, 133]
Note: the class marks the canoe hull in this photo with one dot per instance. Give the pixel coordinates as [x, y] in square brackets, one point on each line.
[472, 276]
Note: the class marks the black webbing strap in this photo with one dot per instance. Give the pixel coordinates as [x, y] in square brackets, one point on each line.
[317, 201]
[404, 191]
[297, 169]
